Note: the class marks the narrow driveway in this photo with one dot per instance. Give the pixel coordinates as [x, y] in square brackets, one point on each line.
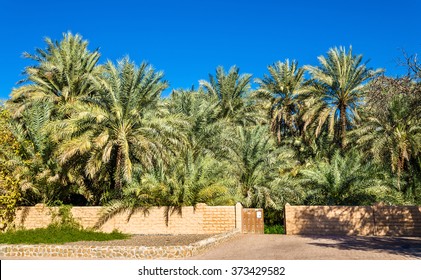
[290, 247]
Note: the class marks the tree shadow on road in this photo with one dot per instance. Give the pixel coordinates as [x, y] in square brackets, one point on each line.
[404, 246]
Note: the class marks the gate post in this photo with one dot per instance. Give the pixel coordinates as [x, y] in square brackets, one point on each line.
[238, 215]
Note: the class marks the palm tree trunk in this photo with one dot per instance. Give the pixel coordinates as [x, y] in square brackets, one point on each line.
[342, 109]
[278, 130]
[399, 170]
[117, 179]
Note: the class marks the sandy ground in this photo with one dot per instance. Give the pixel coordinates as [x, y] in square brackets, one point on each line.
[149, 240]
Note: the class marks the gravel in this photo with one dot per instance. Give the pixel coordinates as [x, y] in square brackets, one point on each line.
[149, 240]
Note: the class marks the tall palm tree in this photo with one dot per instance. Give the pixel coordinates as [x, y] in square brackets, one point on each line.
[338, 88]
[282, 88]
[58, 82]
[207, 133]
[230, 91]
[120, 124]
[254, 165]
[62, 73]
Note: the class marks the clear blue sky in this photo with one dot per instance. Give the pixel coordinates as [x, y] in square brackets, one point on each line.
[188, 39]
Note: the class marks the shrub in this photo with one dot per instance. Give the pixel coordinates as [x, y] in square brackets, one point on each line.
[274, 229]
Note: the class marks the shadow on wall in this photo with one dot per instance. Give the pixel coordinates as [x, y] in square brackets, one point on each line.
[397, 220]
[378, 220]
[391, 229]
[329, 220]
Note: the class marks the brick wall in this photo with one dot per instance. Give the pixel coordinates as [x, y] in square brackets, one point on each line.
[403, 221]
[353, 220]
[203, 219]
[218, 219]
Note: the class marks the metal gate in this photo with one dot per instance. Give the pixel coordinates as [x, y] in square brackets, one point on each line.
[252, 221]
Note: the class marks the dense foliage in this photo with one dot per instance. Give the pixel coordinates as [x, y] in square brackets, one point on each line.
[83, 133]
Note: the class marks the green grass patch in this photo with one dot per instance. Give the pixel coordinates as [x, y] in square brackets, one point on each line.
[274, 229]
[57, 235]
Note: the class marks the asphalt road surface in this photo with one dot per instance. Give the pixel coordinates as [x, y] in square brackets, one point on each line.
[293, 247]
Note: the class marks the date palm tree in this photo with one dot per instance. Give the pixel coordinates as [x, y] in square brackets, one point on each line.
[207, 133]
[231, 91]
[37, 169]
[62, 73]
[282, 88]
[184, 181]
[120, 124]
[254, 165]
[345, 180]
[337, 91]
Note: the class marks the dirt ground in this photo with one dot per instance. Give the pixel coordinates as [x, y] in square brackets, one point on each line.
[149, 240]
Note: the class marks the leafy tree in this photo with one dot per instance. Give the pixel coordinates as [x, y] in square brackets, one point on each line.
[337, 92]
[391, 128]
[10, 191]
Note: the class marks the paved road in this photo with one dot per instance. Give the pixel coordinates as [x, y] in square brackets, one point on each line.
[288, 247]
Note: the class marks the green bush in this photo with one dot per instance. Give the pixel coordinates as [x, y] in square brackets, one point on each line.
[274, 229]
[64, 217]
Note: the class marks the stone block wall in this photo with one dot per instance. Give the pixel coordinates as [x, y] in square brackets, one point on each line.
[398, 221]
[218, 219]
[353, 220]
[202, 219]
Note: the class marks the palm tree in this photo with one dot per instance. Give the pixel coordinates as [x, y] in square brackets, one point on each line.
[120, 124]
[58, 82]
[282, 89]
[344, 180]
[391, 130]
[254, 165]
[338, 89]
[185, 181]
[62, 73]
[230, 91]
[37, 168]
[207, 133]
